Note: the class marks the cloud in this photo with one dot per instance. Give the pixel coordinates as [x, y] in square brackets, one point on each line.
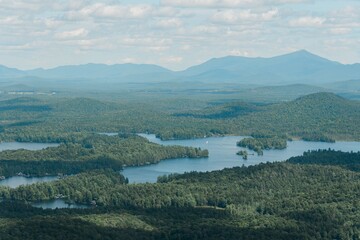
[11, 20]
[225, 3]
[166, 11]
[159, 48]
[307, 21]
[24, 47]
[128, 60]
[238, 16]
[76, 33]
[169, 23]
[173, 59]
[20, 5]
[340, 30]
[206, 29]
[174, 33]
[347, 12]
[237, 52]
[146, 41]
[52, 23]
[112, 11]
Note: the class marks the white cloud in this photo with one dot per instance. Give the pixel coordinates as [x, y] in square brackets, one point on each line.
[175, 33]
[237, 52]
[24, 47]
[76, 33]
[147, 43]
[11, 20]
[270, 14]
[52, 23]
[21, 5]
[112, 11]
[166, 11]
[347, 12]
[226, 3]
[40, 33]
[169, 23]
[186, 47]
[173, 59]
[128, 60]
[340, 30]
[307, 21]
[206, 29]
[238, 16]
[159, 48]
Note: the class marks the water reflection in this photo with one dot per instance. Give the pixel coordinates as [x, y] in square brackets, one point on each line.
[222, 154]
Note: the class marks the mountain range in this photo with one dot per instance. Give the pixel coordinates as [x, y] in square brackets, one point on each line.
[293, 68]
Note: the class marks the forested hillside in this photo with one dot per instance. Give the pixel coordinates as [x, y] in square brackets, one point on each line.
[318, 117]
[81, 152]
[268, 201]
[346, 160]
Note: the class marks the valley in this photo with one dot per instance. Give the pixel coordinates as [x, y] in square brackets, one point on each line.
[179, 120]
[157, 159]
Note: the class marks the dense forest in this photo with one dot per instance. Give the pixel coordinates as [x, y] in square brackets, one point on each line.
[311, 200]
[316, 117]
[78, 153]
[314, 196]
[348, 160]
[259, 144]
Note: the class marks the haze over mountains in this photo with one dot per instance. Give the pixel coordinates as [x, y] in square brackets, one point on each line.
[294, 68]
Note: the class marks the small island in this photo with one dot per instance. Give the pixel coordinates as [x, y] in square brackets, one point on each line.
[260, 144]
[243, 153]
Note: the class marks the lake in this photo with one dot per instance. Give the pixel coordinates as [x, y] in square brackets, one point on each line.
[14, 182]
[58, 203]
[24, 145]
[222, 154]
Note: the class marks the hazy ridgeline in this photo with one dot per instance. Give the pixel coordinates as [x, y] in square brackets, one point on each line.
[314, 196]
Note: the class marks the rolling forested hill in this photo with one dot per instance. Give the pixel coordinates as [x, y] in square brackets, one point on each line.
[268, 201]
[318, 116]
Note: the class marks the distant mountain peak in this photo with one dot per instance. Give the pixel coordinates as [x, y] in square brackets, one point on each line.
[303, 51]
[299, 67]
[322, 97]
[304, 55]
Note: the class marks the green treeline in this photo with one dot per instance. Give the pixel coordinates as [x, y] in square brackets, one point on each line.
[348, 160]
[242, 153]
[203, 189]
[40, 168]
[84, 187]
[91, 152]
[134, 150]
[267, 201]
[314, 196]
[265, 143]
[316, 117]
[310, 137]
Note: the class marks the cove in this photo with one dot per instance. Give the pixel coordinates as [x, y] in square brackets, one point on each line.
[222, 154]
[57, 203]
[16, 181]
[25, 145]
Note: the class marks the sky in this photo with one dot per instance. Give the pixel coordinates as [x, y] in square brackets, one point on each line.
[173, 33]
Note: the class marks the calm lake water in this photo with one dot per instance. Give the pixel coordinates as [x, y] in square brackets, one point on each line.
[58, 203]
[27, 146]
[222, 154]
[16, 181]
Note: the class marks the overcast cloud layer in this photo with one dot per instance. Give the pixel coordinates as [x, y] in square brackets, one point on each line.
[173, 33]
